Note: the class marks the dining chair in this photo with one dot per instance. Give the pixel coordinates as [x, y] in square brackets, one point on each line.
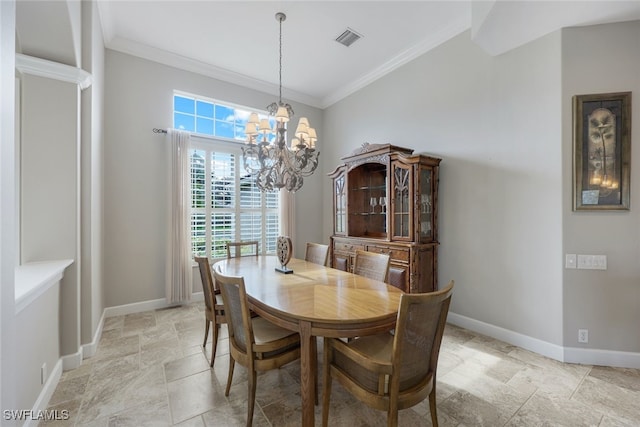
[238, 249]
[317, 253]
[214, 308]
[395, 371]
[372, 265]
[254, 342]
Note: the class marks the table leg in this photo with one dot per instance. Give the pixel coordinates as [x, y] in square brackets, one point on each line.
[307, 376]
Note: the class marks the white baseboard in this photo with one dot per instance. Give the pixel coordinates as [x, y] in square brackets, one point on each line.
[590, 356]
[89, 350]
[553, 351]
[138, 307]
[584, 356]
[72, 361]
[45, 395]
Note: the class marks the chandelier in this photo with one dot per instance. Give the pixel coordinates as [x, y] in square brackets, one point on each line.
[273, 162]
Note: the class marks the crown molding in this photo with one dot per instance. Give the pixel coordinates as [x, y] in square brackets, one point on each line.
[188, 64]
[53, 70]
[448, 32]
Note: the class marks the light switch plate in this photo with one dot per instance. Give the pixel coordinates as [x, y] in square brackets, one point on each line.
[592, 262]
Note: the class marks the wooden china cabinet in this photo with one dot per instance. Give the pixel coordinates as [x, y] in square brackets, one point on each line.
[385, 200]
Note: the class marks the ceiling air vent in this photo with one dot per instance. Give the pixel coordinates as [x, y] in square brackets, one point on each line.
[348, 37]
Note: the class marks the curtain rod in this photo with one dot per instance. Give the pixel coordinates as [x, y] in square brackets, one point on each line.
[156, 130]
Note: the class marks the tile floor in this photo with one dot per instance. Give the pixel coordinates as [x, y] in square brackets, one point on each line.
[150, 370]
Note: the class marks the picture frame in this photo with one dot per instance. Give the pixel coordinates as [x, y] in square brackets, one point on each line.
[602, 151]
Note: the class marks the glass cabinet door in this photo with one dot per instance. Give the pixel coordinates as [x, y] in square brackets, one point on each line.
[425, 209]
[401, 187]
[340, 203]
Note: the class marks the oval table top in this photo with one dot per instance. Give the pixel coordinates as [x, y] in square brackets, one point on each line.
[313, 292]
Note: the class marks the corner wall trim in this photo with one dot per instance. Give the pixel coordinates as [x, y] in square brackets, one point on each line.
[72, 361]
[89, 350]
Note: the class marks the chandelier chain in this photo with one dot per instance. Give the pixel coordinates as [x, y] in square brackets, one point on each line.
[274, 163]
[280, 71]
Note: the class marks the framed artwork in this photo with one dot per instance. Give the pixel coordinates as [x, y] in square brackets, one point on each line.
[602, 151]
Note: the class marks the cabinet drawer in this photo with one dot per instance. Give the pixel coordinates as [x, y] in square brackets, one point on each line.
[347, 247]
[397, 254]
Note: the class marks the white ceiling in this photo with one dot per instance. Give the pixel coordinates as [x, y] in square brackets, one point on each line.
[237, 41]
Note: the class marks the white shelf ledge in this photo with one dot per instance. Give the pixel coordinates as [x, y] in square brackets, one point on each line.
[34, 278]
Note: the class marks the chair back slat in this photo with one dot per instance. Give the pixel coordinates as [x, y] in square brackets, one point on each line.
[372, 265]
[238, 249]
[236, 310]
[317, 253]
[208, 288]
[418, 334]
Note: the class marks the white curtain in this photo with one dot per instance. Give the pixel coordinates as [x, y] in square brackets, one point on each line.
[179, 269]
[288, 215]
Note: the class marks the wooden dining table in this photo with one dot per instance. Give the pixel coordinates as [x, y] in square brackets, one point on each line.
[314, 301]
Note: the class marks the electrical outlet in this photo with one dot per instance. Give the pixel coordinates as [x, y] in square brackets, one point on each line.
[583, 336]
[570, 261]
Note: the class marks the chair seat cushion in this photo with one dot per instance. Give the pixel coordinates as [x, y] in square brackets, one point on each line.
[265, 331]
[376, 348]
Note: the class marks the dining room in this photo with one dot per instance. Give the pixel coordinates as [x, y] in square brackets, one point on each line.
[461, 145]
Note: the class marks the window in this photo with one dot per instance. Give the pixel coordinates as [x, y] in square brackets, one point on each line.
[226, 205]
[209, 117]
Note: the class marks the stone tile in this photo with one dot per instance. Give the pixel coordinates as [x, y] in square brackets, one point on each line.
[481, 400]
[473, 411]
[116, 322]
[194, 395]
[550, 376]
[160, 332]
[118, 348]
[176, 314]
[457, 334]
[67, 414]
[84, 369]
[192, 336]
[114, 394]
[613, 421]
[195, 322]
[620, 402]
[271, 386]
[155, 414]
[107, 369]
[151, 369]
[160, 352]
[234, 414]
[69, 389]
[623, 377]
[192, 422]
[185, 366]
[548, 410]
[134, 323]
[111, 335]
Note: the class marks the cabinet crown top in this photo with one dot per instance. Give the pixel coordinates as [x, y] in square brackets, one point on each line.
[367, 148]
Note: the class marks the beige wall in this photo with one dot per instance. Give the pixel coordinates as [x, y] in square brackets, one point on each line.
[602, 59]
[496, 122]
[503, 128]
[139, 96]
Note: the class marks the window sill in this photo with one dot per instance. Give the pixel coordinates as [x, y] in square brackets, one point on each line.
[35, 278]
